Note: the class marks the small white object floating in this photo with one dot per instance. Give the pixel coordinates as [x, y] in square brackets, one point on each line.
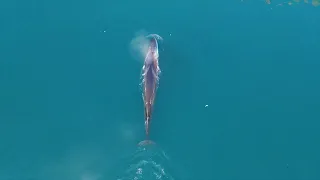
[206, 105]
[170, 34]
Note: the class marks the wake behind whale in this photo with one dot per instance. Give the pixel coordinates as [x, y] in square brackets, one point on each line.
[148, 162]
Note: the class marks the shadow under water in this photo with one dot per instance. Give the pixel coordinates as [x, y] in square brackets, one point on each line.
[148, 162]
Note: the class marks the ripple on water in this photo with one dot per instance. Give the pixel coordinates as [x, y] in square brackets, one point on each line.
[148, 162]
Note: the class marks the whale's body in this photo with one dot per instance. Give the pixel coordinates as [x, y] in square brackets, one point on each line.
[150, 75]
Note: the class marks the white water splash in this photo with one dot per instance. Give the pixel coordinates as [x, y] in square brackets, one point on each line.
[139, 46]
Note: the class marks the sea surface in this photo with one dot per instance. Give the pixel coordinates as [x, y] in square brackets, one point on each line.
[238, 96]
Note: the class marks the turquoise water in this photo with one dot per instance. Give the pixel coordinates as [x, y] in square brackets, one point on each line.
[71, 106]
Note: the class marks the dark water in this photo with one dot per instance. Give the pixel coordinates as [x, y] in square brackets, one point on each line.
[71, 106]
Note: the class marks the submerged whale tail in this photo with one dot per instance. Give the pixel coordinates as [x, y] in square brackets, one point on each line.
[147, 126]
